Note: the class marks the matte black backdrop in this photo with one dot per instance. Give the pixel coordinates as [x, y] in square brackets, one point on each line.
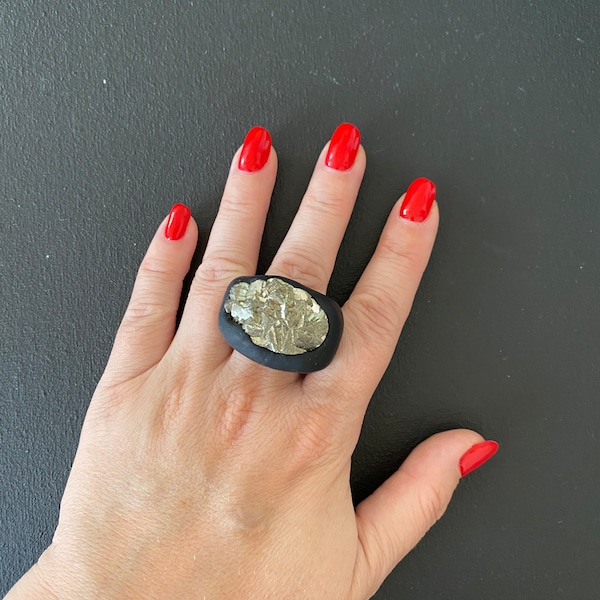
[112, 111]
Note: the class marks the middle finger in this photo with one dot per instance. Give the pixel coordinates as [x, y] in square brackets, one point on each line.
[308, 252]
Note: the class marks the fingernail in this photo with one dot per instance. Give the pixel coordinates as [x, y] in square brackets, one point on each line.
[256, 150]
[418, 200]
[343, 147]
[177, 223]
[475, 456]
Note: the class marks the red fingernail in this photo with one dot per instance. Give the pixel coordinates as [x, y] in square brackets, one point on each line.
[256, 150]
[418, 200]
[177, 223]
[475, 456]
[343, 147]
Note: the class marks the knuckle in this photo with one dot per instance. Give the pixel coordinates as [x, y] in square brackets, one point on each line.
[376, 545]
[314, 440]
[154, 266]
[379, 550]
[377, 313]
[320, 432]
[325, 202]
[146, 308]
[217, 269]
[239, 406]
[235, 415]
[431, 504]
[304, 267]
[406, 258]
[106, 402]
[238, 203]
[176, 398]
[140, 320]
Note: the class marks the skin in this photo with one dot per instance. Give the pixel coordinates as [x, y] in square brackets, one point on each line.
[201, 474]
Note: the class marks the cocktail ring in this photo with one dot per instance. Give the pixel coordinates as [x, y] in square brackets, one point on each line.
[280, 323]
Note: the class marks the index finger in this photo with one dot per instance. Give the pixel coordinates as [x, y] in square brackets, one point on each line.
[381, 301]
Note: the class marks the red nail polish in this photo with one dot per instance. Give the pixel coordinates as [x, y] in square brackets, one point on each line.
[343, 147]
[177, 223]
[418, 200]
[475, 456]
[256, 150]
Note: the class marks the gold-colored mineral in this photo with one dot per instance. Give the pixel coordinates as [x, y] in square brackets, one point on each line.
[278, 316]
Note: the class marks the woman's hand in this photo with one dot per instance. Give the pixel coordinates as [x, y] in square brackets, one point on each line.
[201, 474]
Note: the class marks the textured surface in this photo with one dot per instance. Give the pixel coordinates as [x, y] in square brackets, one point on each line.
[278, 316]
[113, 111]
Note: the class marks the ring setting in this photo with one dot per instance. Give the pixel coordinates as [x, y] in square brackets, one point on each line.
[280, 323]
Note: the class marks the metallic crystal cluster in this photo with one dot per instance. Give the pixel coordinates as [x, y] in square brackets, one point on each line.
[278, 316]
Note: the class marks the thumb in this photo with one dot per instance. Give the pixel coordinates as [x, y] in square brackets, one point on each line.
[397, 515]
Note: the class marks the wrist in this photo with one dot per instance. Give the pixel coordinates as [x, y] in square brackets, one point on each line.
[34, 585]
[48, 579]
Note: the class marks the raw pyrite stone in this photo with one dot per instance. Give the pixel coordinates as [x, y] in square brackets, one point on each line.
[278, 316]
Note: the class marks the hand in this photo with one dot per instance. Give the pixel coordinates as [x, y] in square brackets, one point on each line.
[201, 474]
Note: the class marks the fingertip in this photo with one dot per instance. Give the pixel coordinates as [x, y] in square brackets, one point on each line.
[459, 451]
[343, 148]
[358, 165]
[255, 153]
[477, 455]
[417, 202]
[177, 222]
[177, 230]
[443, 451]
[427, 228]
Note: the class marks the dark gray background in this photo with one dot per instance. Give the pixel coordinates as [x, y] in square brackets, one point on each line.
[112, 111]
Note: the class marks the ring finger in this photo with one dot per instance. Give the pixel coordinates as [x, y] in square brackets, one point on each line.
[232, 248]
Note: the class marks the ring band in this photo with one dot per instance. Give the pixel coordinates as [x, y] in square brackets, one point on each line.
[280, 323]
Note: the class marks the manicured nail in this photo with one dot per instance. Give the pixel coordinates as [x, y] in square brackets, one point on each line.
[418, 200]
[177, 223]
[256, 150]
[343, 147]
[475, 456]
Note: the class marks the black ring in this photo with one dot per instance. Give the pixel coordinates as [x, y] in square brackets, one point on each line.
[308, 362]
